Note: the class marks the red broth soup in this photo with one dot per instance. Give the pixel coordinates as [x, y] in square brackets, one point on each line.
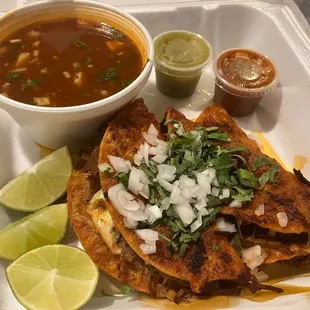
[67, 62]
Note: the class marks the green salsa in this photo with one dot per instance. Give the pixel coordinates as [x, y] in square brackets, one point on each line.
[180, 57]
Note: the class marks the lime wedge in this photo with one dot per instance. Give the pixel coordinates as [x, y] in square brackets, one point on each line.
[40, 185]
[54, 277]
[47, 226]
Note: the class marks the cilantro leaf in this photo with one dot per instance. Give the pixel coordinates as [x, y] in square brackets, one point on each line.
[268, 176]
[215, 247]
[122, 178]
[260, 161]
[235, 149]
[10, 76]
[125, 289]
[219, 136]
[247, 178]
[80, 44]
[30, 84]
[236, 243]
[109, 74]
[243, 195]
[88, 61]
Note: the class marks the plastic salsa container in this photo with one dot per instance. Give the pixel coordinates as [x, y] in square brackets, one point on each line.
[180, 58]
[242, 78]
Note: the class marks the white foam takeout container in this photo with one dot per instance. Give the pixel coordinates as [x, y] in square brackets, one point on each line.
[276, 29]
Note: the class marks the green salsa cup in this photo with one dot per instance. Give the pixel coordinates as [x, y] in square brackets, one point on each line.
[180, 58]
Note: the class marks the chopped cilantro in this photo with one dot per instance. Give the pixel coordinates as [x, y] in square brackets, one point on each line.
[236, 243]
[268, 176]
[125, 289]
[107, 171]
[13, 75]
[247, 178]
[260, 161]
[88, 61]
[243, 195]
[215, 247]
[107, 75]
[80, 44]
[122, 178]
[30, 84]
[219, 136]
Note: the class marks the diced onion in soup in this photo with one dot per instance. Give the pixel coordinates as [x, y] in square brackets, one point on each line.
[145, 192]
[215, 192]
[150, 139]
[166, 185]
[253, 256]
[261, 276]
[204, 183]
[222, 225]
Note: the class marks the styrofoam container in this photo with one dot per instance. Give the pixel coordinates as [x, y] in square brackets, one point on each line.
[55, 127]
[276, 29]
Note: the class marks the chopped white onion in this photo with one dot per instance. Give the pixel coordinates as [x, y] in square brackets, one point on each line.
[176, 197]
[104, 166]
[210, 173]
[165, 203]
[130, 223]
[201, 204]
[166, 185]
[145, 192]
[146, 153]
[215, 192]
[195, 225]
[253, 256]
[260, 210]
[215, 182]
[204, 212]
[261, 276]
[150, 139]
[153, 213]
[166, 172]
[134, 183]
[159, 158]
[137, 215]
[235, 204]
[222, 225]
[147, 234]
[141, 204]
[161, 148]
[185, 213]
[225, 193]
[282, 219]
[152, 130]
[137, 159]
[127, 201]
[148, 248]
[185, 181]
[143, 178]
[119, 164]
[204, 182]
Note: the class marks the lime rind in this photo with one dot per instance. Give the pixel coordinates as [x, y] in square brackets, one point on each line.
[47, 226]
[39, 279]
[40, 185]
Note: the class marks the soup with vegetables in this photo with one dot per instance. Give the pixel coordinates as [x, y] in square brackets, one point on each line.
[67, 63]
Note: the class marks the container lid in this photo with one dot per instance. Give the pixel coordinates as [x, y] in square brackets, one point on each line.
[245, 72]
[178, 52]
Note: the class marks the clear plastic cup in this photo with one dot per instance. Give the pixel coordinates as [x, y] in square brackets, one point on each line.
[242, 78]
[180, 58]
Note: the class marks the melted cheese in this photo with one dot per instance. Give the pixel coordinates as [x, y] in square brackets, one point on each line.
[103, 222]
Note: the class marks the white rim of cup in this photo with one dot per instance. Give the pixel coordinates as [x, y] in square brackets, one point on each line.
[242, 90]
[96, 104]
[196, 68]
